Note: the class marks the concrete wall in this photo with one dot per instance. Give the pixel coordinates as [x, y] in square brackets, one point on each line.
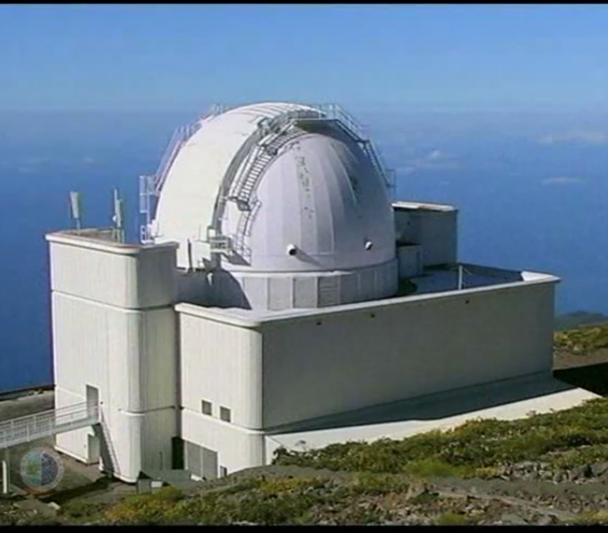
[435, 228]
[237, 447]
[363, 355]
[114, 328]
[411, 260]
[221, 363]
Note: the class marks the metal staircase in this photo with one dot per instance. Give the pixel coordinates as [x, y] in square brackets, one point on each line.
[46, 423]
[251, 174]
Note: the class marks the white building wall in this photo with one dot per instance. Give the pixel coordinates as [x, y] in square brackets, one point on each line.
[126, 276]
[73, 443]
[122, 342]
[434, 227]
[237, 447]
[369, 354]
[221, 363]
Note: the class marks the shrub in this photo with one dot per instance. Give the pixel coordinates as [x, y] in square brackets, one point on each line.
[81, 509]
[452, 519]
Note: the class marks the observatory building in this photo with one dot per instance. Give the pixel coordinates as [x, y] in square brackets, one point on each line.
[279, 294]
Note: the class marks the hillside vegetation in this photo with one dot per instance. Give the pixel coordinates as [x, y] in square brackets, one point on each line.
[582, 340]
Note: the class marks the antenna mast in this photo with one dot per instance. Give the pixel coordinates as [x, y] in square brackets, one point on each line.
[75, 210]
[117, 218]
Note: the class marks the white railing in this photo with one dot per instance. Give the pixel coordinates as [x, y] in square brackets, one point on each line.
[39, 425]
[180, 137]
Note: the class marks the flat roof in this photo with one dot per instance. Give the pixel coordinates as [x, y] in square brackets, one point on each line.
[103, 239]
[504, 400]
[423, 206]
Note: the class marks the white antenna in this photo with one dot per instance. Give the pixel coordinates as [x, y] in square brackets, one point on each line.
[75, 208]
[117, 218]
[190, 267]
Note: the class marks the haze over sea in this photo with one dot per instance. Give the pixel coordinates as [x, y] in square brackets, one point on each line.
[488, 108]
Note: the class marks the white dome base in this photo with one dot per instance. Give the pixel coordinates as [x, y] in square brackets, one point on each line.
[303, 290]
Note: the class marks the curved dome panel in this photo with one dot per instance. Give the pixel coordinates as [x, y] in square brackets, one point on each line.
[322, 196]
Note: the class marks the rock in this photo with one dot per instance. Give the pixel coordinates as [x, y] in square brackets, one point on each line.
[546, 520]
[415, 490]
[599, 469]
[512, 519]
[581, 472]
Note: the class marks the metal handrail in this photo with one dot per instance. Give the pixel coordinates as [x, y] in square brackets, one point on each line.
[32, 427]
[243, 158]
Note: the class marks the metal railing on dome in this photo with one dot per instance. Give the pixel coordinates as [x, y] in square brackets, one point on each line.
[246, 166]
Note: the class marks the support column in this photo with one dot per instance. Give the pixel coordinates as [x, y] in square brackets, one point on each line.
[6, 471]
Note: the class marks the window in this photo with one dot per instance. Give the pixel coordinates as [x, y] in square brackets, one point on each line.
[223, 471]
[225, 414]
[207, 408]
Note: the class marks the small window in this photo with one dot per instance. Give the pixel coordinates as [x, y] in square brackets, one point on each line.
[223, 471]
[207, 408]
[225, 414]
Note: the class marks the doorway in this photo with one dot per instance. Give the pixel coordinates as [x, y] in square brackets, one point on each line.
[92, 394]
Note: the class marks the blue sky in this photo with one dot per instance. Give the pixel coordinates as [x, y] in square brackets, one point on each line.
[186, 56]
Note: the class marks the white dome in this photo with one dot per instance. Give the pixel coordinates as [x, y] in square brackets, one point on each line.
[312, 202]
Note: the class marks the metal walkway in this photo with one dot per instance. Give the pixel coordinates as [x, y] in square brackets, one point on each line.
[46, 423]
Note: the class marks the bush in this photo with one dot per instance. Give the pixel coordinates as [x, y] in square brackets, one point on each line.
[81, 509]
[452, 519]
[168, 494]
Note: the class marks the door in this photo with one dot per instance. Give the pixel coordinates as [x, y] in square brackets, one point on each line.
[92, 398]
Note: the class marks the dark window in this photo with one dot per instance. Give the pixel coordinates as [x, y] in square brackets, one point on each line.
[207, 408]
[225, 414]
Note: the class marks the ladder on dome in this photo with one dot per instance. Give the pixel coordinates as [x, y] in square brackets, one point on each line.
[28, 428]
[254, 167]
